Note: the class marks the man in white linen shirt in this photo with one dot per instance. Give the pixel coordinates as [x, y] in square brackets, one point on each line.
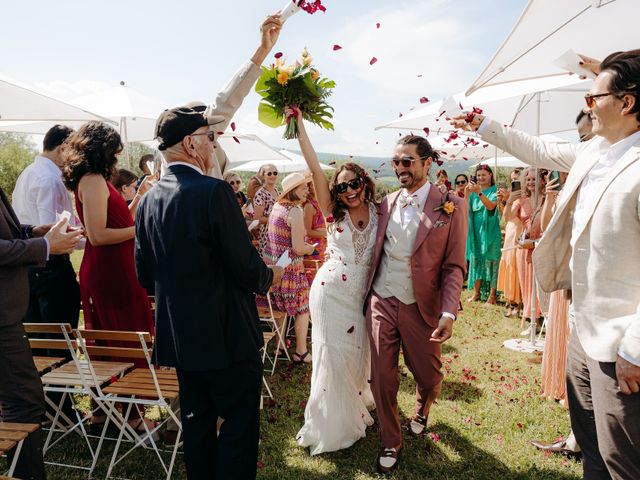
[38, 196]
[592, 246]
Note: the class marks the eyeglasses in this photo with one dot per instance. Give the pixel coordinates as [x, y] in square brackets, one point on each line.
[235, 182]
[354, 184]
[405, 161]
[461, 182]
[586, 137]
[210, 135]
[590, 99]
[271, 174]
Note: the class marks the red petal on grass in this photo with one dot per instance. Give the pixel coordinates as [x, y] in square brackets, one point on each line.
[236, 139]
[278, 55]
[373, 60]
[520, 425]
[351, 329]
[337, 47]
[233, 126]
[435, 437]
[260, 465]
[426, 130]
[424, 99]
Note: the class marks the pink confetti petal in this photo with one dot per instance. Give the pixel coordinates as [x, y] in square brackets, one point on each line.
[373, 60]
[424, 99]
[351, 329]
[236, 139]
[344, 277]
[278, 55]
[233, 126]
[337, 47]
[426, 130]
[378, 25]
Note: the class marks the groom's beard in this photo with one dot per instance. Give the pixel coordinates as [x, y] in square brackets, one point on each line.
[407, 179]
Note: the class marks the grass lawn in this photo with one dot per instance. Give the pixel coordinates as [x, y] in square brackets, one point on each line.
[490, 407]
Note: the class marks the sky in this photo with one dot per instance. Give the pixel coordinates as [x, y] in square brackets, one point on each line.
[182, 51]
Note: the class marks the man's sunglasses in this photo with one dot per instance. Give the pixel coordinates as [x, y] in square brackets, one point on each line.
[210, 135]
[590, 99]
[405, 161]
[271, 174]
[354, 184]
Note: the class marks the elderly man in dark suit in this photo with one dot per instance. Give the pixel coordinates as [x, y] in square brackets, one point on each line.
[194, 252]
[21, 395]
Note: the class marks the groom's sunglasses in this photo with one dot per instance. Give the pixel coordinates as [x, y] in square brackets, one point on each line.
[354, 184]
[405, 161]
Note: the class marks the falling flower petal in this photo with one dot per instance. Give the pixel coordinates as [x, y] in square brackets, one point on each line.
[278, 55]
[373, 60]
[426, 130]
[424, 100]
[419, 75]
[233, 126]
[236, 139]
[351, 329]
[378, 25]
[337, 47]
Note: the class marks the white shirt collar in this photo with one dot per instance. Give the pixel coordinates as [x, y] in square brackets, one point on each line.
[197, 169]
[617, 150]
[421, 194]
[48, 163]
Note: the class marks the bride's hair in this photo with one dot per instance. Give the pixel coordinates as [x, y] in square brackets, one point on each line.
[339, 209]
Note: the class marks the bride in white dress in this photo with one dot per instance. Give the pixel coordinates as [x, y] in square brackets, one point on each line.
[337, 412]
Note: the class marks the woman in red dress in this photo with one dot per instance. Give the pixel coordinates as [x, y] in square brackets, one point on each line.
[112, 298]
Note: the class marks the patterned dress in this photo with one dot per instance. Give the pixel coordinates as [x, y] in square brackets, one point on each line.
[292, 294]
[264, 199]
[317, 222]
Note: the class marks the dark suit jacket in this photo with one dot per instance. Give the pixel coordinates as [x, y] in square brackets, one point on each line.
[17, 252]
[193, 250]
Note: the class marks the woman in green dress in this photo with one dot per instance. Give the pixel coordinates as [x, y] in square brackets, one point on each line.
[484, 241]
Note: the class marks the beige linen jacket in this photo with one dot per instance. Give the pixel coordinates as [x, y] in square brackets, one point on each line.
[606, 257]
[227, 102]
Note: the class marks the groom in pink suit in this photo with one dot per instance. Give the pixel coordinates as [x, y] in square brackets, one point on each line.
[414, 290]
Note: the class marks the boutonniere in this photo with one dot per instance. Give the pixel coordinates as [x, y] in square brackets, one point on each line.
[447, 206]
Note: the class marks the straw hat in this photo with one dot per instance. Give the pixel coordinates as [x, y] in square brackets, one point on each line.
[293, 181]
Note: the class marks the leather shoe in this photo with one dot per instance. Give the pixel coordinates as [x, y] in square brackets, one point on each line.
[388, 460]
[557, 447]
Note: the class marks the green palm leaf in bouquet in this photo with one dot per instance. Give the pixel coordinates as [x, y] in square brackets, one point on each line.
[298, 86]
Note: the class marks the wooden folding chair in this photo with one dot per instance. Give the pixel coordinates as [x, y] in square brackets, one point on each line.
[70, 378]
[271, 317]
[12, 436]
[142, 387]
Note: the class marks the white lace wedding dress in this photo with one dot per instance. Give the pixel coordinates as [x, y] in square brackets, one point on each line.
[337, 412]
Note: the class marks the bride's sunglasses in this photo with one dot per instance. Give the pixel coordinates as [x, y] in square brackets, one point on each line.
[354, 184]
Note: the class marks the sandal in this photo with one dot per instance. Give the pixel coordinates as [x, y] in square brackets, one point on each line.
[280, 354]
[301, 357]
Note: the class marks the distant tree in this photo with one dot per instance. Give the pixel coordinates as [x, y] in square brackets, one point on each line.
[16, 152]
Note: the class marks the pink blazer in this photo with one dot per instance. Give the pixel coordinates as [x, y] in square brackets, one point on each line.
[438, 262]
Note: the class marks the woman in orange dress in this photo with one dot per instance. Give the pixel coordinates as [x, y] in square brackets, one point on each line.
[508, 281]
[554, 357]
[524, 207]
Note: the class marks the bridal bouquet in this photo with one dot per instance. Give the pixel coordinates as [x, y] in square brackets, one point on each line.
[298, 87]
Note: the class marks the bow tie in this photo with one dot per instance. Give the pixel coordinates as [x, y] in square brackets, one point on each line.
[406, 200]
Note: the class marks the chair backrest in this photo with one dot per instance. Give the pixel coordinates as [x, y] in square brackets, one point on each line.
[140, 344]
[57, 336]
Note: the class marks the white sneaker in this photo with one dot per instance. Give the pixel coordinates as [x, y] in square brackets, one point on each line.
[388, 460]
[418, 424]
